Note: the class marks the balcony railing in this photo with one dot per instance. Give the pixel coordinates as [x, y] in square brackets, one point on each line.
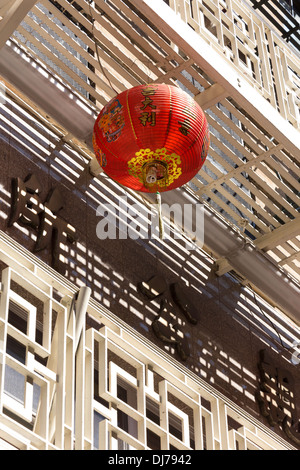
[251, 45]
[129, 393]
[283, 16]
[251, 175]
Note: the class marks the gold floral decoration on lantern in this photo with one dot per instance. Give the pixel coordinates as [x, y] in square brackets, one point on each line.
[160, 157]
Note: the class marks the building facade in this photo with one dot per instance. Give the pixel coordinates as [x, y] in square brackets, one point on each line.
[113, 338]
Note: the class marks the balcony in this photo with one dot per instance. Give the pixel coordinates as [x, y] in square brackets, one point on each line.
[130, 394]
[284, 16]
[61, 62]
[76, 56]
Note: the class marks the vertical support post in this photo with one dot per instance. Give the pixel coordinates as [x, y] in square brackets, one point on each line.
[4, 305]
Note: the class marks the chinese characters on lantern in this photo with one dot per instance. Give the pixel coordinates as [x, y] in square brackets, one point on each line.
[28, 209]
[148, 115]
[185, 126]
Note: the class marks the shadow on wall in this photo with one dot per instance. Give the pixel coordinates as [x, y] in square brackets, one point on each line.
[212, 325]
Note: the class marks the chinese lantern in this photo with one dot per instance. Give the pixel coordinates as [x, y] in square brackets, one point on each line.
[151, 138]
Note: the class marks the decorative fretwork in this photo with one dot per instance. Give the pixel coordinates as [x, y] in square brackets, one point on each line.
[244, 38]
[251, 175]
[129, 393]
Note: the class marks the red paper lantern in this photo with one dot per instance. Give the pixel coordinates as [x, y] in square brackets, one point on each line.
[151, 138]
